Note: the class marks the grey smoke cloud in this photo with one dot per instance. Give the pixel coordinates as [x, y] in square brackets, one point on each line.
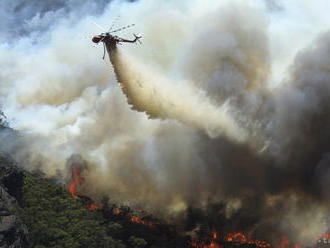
[65, 100]
[274, 5]
[21, 18]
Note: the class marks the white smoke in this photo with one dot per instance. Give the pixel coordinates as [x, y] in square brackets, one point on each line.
[64, 99]
[149, 92]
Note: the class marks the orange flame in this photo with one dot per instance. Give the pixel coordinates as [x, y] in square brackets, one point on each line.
[324, 236]
[92, 207]
[76, 179]
[284, 243]
[72, 188]
[241, 238]
[213, 243]
[237, 238]
[214, 234]
[117, 211]
[134, 218]
[137, 219]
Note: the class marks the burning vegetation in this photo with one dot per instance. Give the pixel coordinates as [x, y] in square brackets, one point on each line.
[77, 179]
[238, 239]
[252, 160]
[198, 239]
[55, 218]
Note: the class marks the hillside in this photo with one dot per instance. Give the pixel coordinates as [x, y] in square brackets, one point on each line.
[36, 212]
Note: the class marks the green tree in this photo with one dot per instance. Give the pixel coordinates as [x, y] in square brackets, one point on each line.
[136, 242]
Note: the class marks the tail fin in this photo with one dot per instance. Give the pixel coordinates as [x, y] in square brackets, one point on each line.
[137, 38]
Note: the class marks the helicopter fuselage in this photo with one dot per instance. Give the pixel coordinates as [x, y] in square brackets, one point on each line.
[108, 38]
[105, 37]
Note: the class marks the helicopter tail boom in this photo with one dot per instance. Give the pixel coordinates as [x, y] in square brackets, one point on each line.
[136, 38]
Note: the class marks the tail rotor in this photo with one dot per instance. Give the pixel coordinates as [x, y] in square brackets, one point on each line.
[137, 38]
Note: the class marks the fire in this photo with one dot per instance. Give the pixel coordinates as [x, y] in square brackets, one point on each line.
[284, 243]
[76, 179]
[213, 242]
[241, 238]
[237, 239]
[137, 219]
[214, 234]
[92, 207]
[117, 211]
[325, 236]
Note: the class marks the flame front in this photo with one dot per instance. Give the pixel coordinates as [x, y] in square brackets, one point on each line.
[76, 179]
[239, 239]
[92, 207]
[214, 241]
[137, 219]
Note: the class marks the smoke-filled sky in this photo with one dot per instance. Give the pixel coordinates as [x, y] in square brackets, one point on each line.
[237, 92]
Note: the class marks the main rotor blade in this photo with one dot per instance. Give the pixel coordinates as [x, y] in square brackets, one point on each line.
[122, 28]
[100, 27]
[114, 22]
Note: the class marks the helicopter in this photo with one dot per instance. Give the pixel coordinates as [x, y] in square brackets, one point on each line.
[110, 41]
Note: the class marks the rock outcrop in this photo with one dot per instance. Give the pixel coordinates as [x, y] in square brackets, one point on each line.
[13, 232]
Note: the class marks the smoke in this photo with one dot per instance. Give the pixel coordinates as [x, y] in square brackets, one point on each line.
[239, 115]
[274, 5]
[22, 18]
[151, 93]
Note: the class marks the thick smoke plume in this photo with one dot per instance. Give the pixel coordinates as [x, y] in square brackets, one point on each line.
[153, 94]
[239, 138]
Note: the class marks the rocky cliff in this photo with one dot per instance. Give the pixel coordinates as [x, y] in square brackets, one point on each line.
[13, 232]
